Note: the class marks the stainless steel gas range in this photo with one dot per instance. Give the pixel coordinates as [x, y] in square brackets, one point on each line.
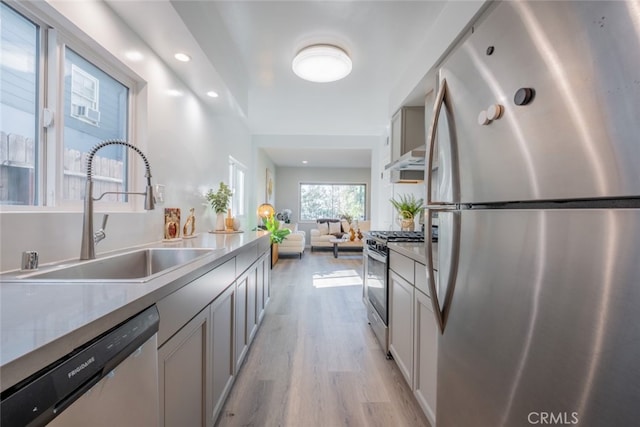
[376, 275]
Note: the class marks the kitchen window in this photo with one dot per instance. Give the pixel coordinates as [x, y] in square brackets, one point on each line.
[237, 175]
[58, 99]
[332, 201]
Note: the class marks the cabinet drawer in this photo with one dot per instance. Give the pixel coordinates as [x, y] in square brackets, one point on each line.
[402, 265]
[178, 308]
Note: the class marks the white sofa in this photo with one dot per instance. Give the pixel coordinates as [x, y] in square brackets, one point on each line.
[321, 235]
[294, 243]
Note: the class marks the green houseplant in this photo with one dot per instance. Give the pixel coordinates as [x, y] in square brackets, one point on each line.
[273, 226]
[219, 201]
[409, 208]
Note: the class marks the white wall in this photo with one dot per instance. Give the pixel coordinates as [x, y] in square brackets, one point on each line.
[186, 141]
[288, 181]
[451, 23]
[263, 162]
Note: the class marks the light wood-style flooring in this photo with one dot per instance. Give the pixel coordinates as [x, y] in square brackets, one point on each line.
[315, 360]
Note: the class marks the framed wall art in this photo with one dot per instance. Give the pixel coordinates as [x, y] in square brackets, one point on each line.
[269, 187]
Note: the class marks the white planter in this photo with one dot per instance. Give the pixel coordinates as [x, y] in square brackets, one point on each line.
[219, 222]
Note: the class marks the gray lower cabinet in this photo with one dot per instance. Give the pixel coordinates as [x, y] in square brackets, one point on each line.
[205, 330]
[222, 340]
[260, 279]
[242, 342]
[263, 286]
[413, 332]
[401, 324]
[252, 297]
[425, 368]
[182, 364]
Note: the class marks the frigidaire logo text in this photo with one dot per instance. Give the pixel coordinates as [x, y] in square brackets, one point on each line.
[553, 418]
[81, 367]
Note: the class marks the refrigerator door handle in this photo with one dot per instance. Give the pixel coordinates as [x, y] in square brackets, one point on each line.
[431, 141]
[441, 313]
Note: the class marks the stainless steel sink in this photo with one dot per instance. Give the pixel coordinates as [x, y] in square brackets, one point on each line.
[137, 266]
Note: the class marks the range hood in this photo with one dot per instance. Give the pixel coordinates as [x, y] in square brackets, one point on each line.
[408, 168]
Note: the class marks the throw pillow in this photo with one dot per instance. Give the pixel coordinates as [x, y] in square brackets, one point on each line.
[345, 225]
[291, 226]
[334, 227]
[323, 228]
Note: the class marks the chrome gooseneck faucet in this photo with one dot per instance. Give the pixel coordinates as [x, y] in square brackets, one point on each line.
[89, 238]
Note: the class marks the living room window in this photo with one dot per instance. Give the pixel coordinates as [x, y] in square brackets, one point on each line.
[321, 200]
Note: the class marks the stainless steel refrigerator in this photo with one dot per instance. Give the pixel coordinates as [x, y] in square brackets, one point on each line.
[534, 174]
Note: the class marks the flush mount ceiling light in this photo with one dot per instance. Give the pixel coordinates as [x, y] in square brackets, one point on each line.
[322, 63]
[212, 94]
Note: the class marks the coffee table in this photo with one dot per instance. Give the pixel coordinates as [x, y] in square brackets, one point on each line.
[336, 242]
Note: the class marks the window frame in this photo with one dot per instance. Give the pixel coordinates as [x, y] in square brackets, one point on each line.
[344, 183]
[54, 38]
[236, 166]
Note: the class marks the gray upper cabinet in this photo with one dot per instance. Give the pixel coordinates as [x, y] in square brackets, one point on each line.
[407, 133]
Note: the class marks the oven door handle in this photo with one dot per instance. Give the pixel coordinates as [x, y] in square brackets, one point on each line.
[376, 256]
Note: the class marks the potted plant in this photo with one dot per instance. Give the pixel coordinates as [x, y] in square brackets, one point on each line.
[272, 225]
[408, 208]
[219, 202]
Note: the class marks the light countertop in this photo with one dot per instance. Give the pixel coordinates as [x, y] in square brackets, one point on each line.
[42, 322]
[417, 251]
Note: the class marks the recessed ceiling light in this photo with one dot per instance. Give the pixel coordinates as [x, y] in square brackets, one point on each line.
[212, 94]
[134, 55]
[174, 92]
[322, 63]
[182, 57]
[305, 162]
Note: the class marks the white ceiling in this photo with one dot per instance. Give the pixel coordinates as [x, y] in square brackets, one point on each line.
[250, 45]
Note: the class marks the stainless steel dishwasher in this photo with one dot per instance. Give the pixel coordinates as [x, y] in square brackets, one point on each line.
[110, 381]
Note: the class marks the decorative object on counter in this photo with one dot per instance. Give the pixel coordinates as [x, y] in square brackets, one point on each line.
[171, 224]
[352, 234]
[408, 208]
[265, 211]
[231, 225]
[219, 201]
[189, 229]
[284, 216]
[359, 234]
[228, 222]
